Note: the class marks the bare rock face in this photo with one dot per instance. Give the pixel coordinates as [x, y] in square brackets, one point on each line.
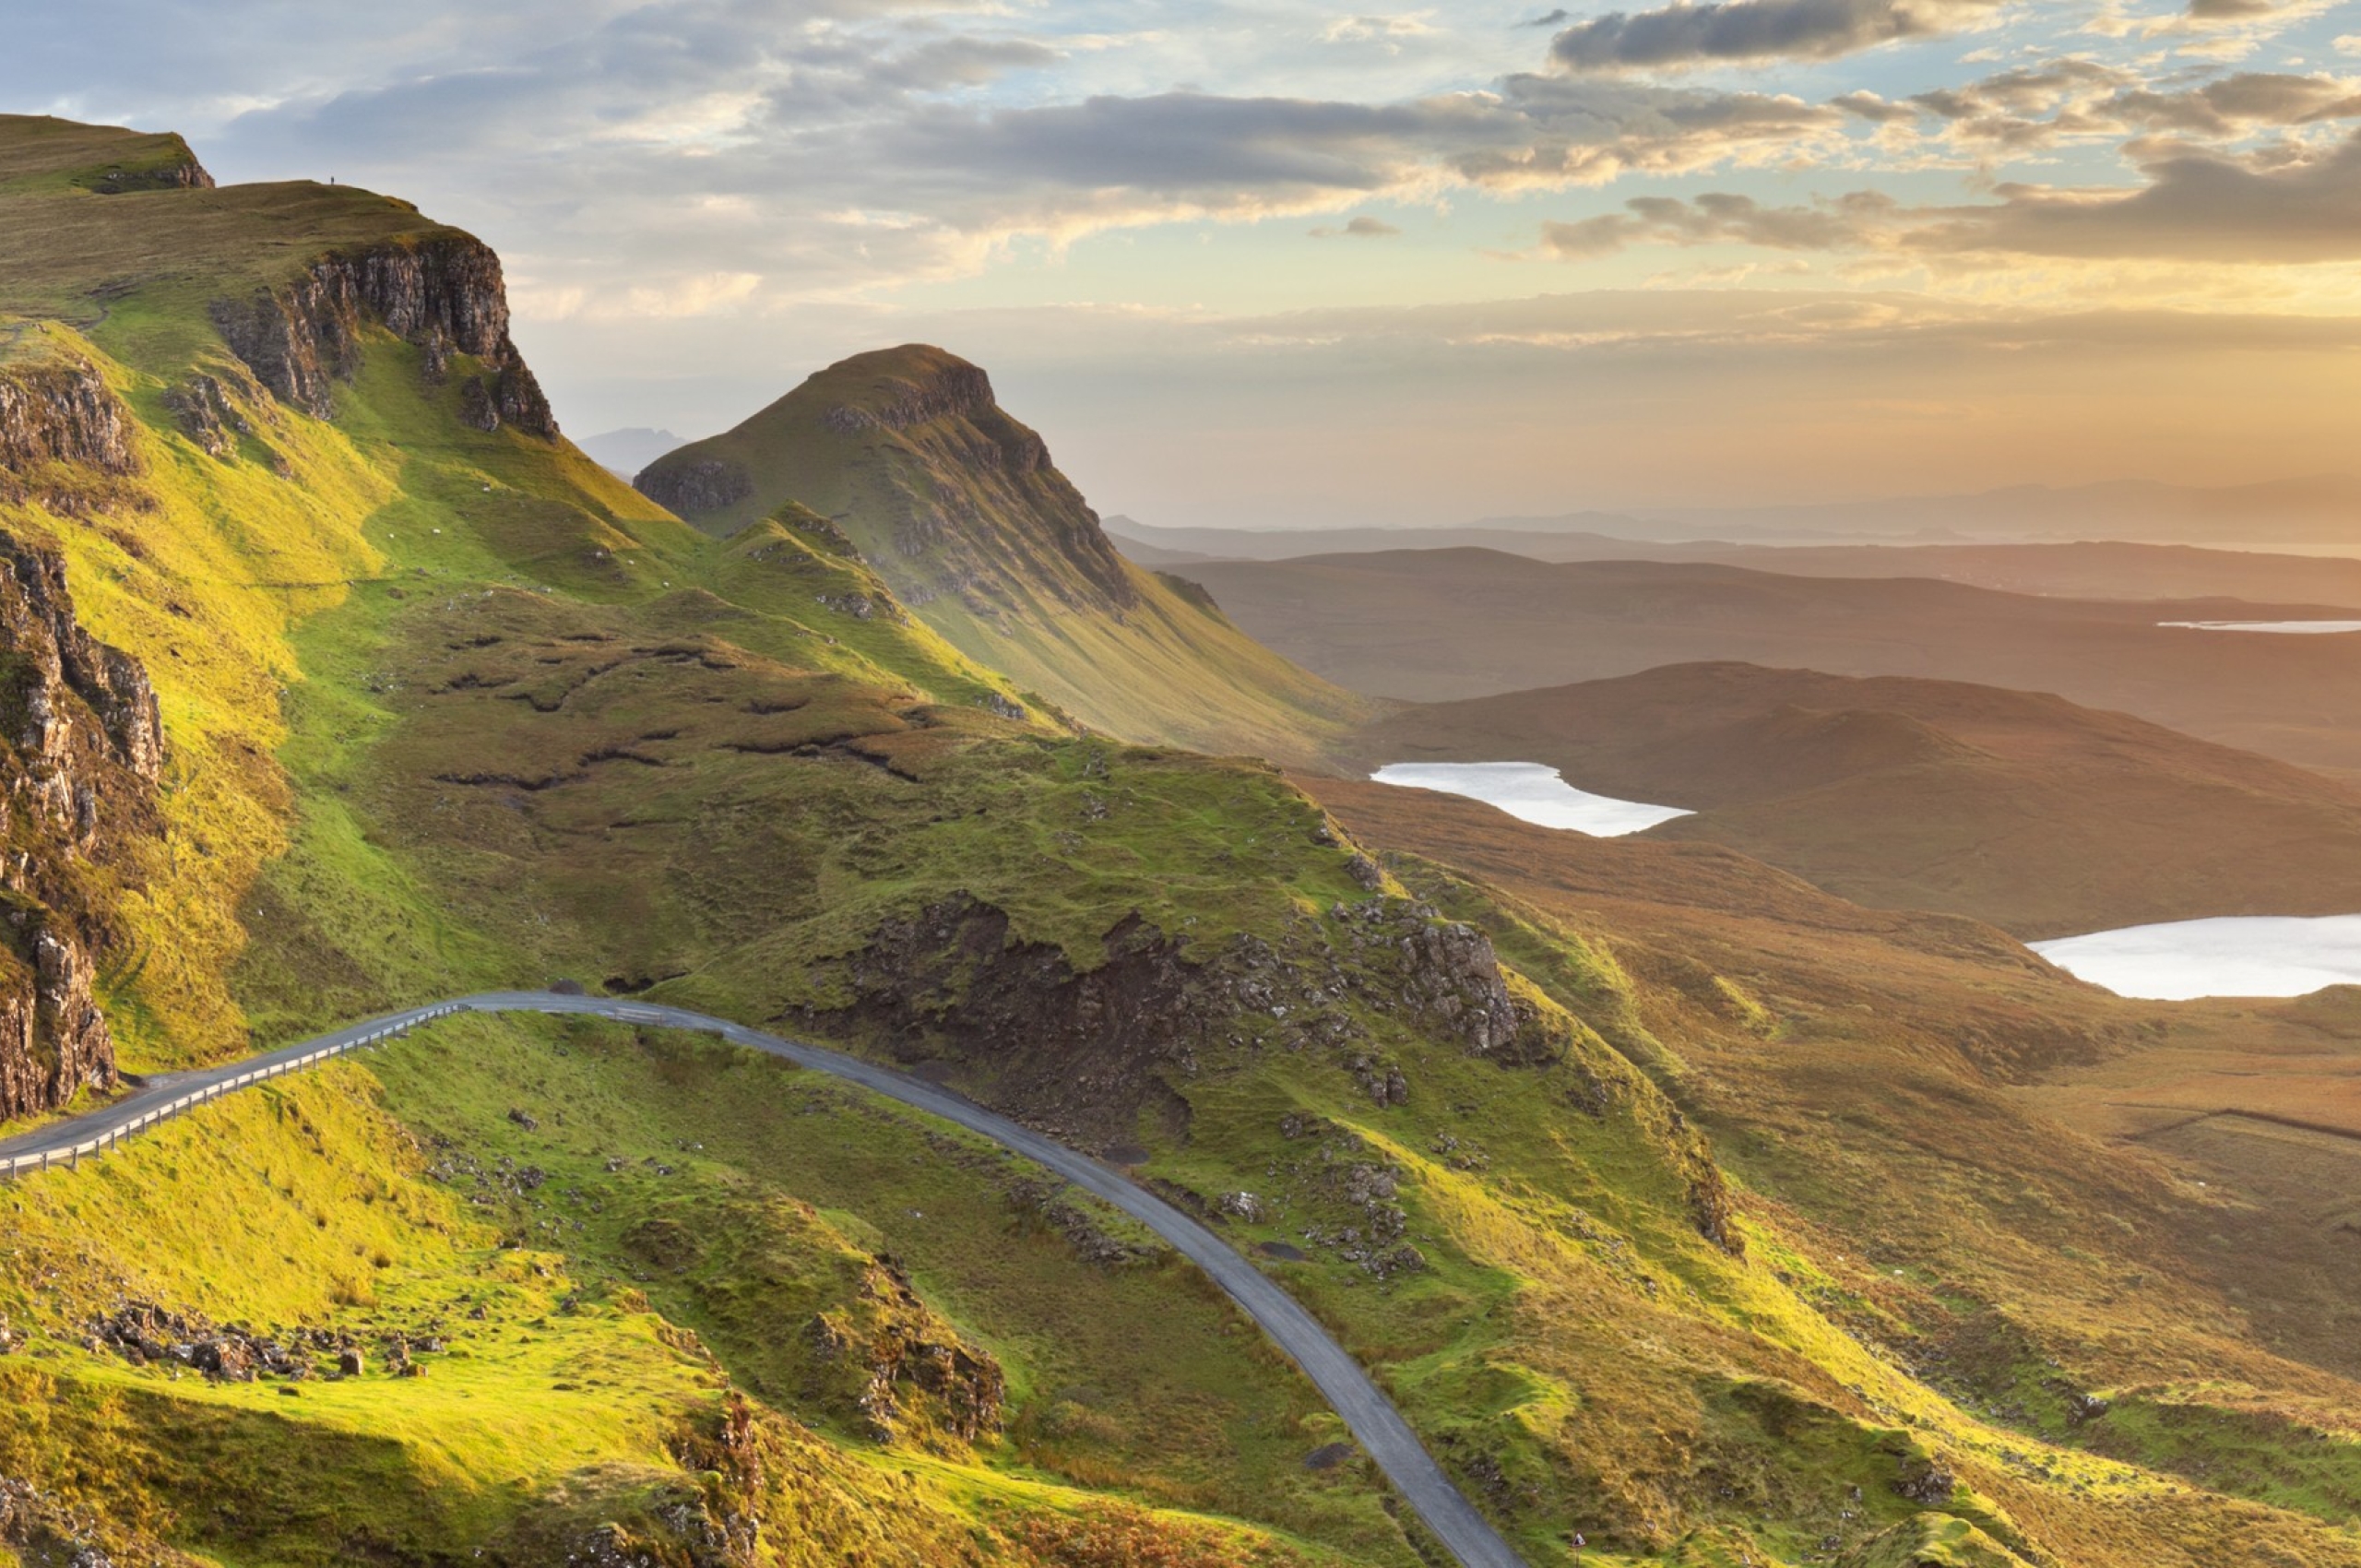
[59, 412]
[694, 488]
[206, 414]
[1083, 1054]
[81, 748]
[953, 392]
[445, 293]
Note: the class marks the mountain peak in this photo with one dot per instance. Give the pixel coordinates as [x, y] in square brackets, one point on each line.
[910, 444]
[900, 387]
[958, 507]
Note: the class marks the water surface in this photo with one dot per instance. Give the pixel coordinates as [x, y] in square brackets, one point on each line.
[2295, 628]
[1532, 791]
[2227, 956]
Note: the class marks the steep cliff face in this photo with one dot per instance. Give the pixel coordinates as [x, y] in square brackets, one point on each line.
[696, 489]
[81, 748]
[444, 294]
[57, 412]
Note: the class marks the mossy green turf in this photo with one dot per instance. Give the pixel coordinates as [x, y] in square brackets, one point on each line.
[450, 710]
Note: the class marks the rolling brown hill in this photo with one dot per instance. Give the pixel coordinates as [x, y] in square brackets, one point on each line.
[2021, 809]
[1437, 625]
[2086, 569]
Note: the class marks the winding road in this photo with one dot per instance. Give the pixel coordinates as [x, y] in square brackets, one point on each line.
[1370, 1416]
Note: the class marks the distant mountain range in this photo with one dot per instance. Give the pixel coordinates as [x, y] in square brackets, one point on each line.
[625, 452]
[1436, 625]
[2321, 510]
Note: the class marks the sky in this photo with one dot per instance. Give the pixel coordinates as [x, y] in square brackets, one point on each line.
[1288, 264]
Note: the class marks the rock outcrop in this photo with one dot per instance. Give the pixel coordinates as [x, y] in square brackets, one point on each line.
[153, 164]
[904, 1364]
[56, 412]
[444, 294]
[202, 407]
[695, 489]
[952, 391]
[1083, 1054]
[81, 748]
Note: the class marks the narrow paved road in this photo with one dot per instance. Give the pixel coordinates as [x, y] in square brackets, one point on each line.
[1374, 1421]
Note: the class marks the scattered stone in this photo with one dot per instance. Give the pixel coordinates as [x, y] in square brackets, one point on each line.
[1328, 1455]
[526, 1120]
[1927, 1483]
[2084, 1407]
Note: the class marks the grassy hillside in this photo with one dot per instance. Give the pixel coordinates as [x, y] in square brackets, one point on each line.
[2043, 817]
[1610, 1204]
[2082, 1221]
[959, 507]
[1441, 626]
[283, 592]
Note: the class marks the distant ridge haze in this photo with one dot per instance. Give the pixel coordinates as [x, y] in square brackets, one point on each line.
[625, 452]
[2317, 511]
[1442, 624]
[2111, 569]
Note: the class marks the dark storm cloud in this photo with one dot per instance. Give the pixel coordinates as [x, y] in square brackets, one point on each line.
[1755, 30]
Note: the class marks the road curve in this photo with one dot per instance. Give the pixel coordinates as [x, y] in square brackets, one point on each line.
[1370, 1416]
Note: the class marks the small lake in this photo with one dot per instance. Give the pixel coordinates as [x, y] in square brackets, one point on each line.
[1531, 792]
[2229, 955]
[2290, 628]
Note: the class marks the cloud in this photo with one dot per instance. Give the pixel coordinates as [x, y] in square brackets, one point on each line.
[1386, 31]
[2071, 100]
[1361, 228]
[2215, 29]
[1721, 218]
[2196, 207]
[1728, 31]
[1876, 110]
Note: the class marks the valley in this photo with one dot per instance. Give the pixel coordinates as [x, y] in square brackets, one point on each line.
[1442, 626]
[1737, 1191]
[2042, 816]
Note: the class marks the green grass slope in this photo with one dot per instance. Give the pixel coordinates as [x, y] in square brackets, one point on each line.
[449, 706]
[960, 508]
[274, 589]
